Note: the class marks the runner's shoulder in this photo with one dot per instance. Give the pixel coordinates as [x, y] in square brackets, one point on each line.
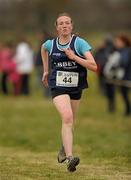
[47, 45]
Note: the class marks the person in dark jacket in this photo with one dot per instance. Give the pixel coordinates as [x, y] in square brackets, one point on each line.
[101, 56]
[42, 36]
[123, 45]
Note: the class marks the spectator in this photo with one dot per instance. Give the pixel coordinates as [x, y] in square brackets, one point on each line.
[102, 55]
[6, 64]
[123, 45]
[42, 36]
[25, 61]
[118, 71]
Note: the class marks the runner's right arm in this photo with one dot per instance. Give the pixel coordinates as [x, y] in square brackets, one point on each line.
[44, 55]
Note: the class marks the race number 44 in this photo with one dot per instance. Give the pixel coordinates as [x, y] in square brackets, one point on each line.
[67, 79]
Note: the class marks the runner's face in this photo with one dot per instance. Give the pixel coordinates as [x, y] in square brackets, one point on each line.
[64, 25]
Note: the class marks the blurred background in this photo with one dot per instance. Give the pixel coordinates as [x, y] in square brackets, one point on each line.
[28, 119]
[32, 15]
[88, 15]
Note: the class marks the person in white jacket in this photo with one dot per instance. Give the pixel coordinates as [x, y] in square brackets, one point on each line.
[25, 62]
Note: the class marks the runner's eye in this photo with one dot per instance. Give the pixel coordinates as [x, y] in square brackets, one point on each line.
[61, 23]
[67, 23]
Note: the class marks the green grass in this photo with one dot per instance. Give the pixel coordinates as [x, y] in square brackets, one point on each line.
[30, 139]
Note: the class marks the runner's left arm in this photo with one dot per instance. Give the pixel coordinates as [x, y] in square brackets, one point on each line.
[88, 62]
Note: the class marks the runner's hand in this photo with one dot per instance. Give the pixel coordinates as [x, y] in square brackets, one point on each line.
[45, 79]
[70, 54]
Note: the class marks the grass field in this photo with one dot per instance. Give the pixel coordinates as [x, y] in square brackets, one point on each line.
[30, 139]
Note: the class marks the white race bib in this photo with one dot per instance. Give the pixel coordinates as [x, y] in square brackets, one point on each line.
[67, 79]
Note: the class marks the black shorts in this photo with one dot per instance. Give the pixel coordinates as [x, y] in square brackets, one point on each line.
[76, 95]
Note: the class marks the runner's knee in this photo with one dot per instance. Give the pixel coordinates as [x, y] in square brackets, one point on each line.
[68, 118]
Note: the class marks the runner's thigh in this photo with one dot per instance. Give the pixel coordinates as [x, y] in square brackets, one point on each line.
[63, 105]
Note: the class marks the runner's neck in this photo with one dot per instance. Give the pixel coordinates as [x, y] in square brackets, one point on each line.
[64, 40]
